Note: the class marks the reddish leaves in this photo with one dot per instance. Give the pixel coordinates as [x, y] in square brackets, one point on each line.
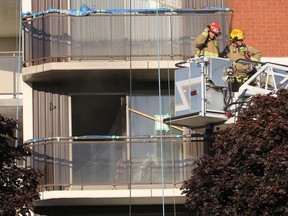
[18, 186]
[248, 174]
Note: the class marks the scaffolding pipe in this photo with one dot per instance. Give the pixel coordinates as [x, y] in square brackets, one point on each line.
[155, 119]
[165, 3]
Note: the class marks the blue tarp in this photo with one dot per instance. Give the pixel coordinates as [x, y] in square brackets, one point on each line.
[84, 10]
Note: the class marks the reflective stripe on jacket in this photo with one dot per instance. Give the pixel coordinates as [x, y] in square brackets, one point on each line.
[204, 46]
[241, 79]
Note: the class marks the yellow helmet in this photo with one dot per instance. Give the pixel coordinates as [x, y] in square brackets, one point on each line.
[236, 34]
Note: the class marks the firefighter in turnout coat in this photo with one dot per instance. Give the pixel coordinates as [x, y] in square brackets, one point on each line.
[206, 43]
[239, 50]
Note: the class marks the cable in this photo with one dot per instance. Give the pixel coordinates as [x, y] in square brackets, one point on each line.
[171, 143]
[18, 74]
[179, 64]
[157, 26]
[129, 105]
[227, 92]
[239, 103]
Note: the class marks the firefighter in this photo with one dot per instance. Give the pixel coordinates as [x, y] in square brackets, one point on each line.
[206, 43]
[239, 50]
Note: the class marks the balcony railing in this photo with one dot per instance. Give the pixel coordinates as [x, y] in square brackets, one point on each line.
[113, 37]
[93, 162]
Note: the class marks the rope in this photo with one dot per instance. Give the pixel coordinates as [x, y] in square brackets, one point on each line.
[18, 75]
[157, 26]
[172, 144]
[129, 105]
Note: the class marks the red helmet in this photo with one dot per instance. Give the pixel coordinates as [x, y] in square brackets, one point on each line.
[215, 28]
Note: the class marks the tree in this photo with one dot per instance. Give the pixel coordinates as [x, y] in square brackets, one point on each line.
[248, 173]
[18, 186]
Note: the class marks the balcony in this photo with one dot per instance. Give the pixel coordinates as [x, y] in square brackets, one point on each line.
[11, 87]
[111, 162]
[110, 170]
[60, 47]
[10, 84]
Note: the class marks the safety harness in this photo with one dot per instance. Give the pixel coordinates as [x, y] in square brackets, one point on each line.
[245, 52]
[244, 49]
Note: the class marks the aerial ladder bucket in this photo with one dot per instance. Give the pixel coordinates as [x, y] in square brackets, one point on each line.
[203, 93]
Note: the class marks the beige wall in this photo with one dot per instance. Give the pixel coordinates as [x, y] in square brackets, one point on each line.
[27, 112]
[6, 82]
[8, 44]
[9, 84]
[26, 5]
[9, 66]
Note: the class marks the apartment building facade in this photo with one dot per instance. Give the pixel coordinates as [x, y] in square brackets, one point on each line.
[94, 89]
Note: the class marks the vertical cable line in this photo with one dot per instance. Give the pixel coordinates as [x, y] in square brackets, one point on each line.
[157, 28]
[171, 144]
[129, 105]
[18, 71]
[170, 113]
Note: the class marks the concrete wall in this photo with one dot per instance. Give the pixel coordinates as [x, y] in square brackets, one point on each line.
[8, 44]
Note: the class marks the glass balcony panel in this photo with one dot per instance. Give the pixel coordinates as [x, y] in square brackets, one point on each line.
[96, 163]
[89, 38]
[116, 36]
[9, 62]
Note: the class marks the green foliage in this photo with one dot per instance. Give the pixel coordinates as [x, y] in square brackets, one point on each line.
[18, 186]
[248, 174]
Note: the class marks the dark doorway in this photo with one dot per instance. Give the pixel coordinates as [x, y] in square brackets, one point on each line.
[98, 115]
